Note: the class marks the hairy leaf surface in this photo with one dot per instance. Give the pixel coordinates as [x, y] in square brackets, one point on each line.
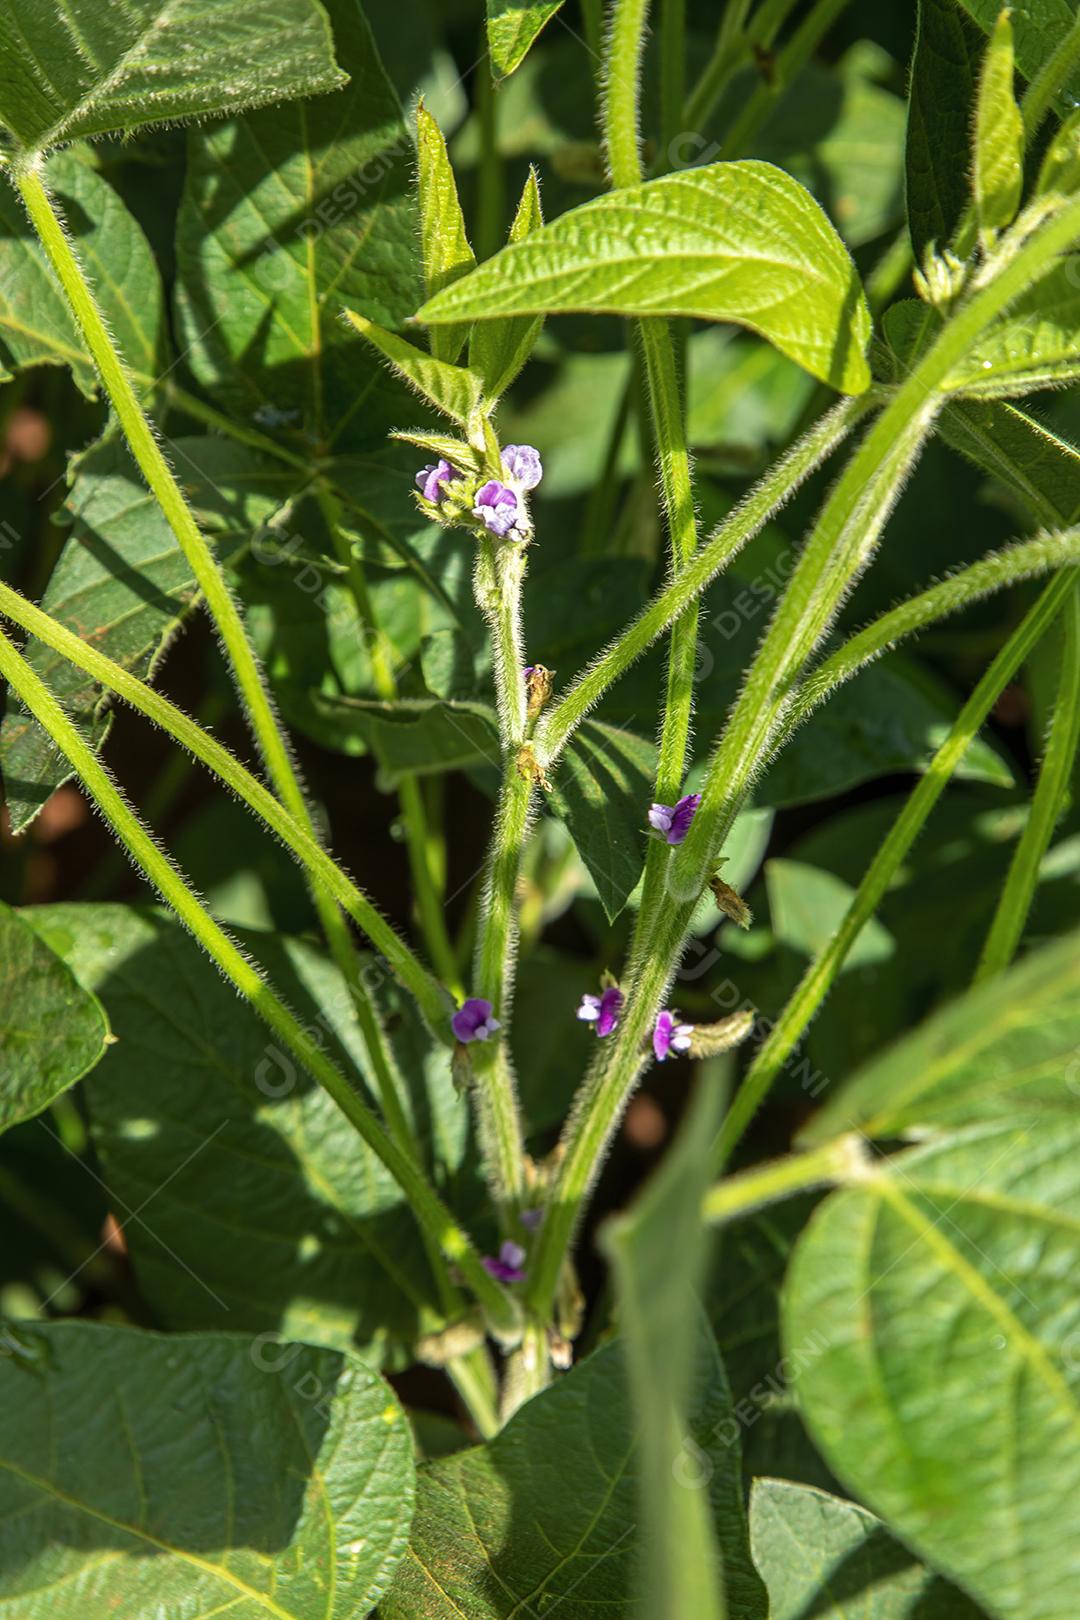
[67, 71]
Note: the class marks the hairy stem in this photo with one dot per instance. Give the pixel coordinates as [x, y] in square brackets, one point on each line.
[746, 520]
[406, 968]
[447, 1236]
[208, 576]
[752, 1189]
[413, 815]
[500, 572]
[821, 975]
[1024, 560]
[1048, 801]
[838, 549]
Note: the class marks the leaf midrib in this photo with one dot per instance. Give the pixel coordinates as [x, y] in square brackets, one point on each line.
[206, 1565]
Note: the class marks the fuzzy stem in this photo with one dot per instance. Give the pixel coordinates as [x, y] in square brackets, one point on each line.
[751, 1189]
[821, 975]
[500, 572]
[158, 868]
[994, 572]
[208, 576]
[838, 549]
[747, 519]
[1048, 801]
[413, 815]
[667, 418]
[322, 868]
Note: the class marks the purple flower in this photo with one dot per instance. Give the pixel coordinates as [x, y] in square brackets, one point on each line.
[530, 669]
[497, 507]
[669, 1035]
[602, 1010]
[473, 1020]
[522, 464]
[531, 1218]
[509, 1266]
[673, 820]
[431, 479]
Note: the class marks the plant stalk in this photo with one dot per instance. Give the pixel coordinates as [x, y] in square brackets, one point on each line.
[448, 1237]
[1047, 804]
[821, 975]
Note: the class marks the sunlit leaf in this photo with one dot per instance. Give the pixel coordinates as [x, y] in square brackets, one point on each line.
[738, 242]
[947, 1396]
[1005, 1046]
[119, 67]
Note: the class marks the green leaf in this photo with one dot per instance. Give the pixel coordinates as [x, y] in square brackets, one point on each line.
[738, 242]
[684, 1574]
[64, 75]
[263, 1210]
[1037, 345]
[416, 736]
[447, 254]
[52, 1031]
[197, 1475]
[1060, 171]
[1039, 27]
[947, 1397]
[742, 1295]
[545, 1517]
[36, 325]
[891, 717]
[998, 175]
[944, 77]
[454, 390]
[807, 904]
[122, 581]
[829, 1558]
[1036, 464]
[287, 215]
[603, 789]
[498, 349]
[1010, 1044]
[512, 28]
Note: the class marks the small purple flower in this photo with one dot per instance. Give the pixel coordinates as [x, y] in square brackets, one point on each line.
[602, 1010]
[497, 507]
[522, 464]
[430, 480]
[509, 1266]
[531, 1218]
[669, 1035]
[673, 820]
[530, 669]
[473, 1020]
